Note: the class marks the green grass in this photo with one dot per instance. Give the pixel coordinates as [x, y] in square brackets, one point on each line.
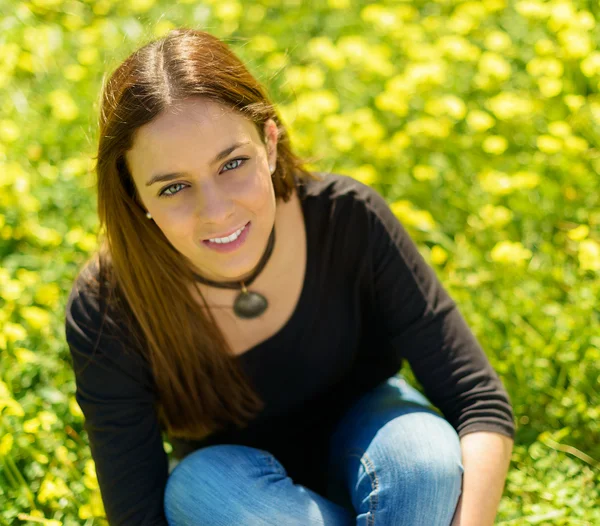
[478, 121]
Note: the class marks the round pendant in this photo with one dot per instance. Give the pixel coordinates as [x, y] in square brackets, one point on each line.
[250, 305]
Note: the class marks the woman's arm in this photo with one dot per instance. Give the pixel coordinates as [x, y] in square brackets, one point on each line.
[486, 459]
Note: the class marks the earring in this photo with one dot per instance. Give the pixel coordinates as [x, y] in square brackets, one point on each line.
[271, 168]
[148, 215]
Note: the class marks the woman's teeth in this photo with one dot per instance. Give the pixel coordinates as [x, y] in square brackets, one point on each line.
[228, 239]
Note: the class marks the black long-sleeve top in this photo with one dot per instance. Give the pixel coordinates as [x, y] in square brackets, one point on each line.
[369, 302]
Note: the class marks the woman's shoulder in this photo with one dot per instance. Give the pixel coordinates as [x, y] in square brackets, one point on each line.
[335, 189]
[94, 306]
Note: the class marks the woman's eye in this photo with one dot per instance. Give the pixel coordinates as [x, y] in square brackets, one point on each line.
[234, 160]
[164, 192]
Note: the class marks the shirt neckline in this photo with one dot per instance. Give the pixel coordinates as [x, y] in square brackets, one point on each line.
[287, 329]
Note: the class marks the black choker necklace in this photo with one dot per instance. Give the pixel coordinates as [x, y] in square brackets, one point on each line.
[247, 304]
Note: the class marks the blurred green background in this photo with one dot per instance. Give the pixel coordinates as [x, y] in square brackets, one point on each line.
[477, 120]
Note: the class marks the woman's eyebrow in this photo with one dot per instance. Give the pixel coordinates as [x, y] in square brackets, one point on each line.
[221, 155]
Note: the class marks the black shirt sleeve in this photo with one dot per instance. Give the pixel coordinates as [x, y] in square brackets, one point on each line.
[114, 392]
[423, 323]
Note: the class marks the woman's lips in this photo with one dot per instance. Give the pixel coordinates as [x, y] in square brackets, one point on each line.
[232, 245]
[227, 234]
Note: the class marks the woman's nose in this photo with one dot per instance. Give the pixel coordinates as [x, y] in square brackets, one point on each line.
[215, 206]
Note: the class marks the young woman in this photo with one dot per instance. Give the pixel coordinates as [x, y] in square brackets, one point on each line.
[258, 314]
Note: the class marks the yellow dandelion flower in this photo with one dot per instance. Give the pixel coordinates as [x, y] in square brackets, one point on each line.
[589, 255]
[381, 17]
[497, 41]
[39, 457]
[400, 140]
[590, 66]
[438, 128]
[559, 128]
[457, 48]
[495, 144]
[14, 332]
[97, 504]
[365, 173]
[575, 43]
[11, 406]
[495, 216]
[550, 87]
[561, 14]
[508, 105]
[63, 105]
[595, 111]
[47, 3]
[423, 172]
[9, 131]
[343, 142]
[494, 65]
[324, 49]
[27, 277]
[579, 233]
[544, 46]
[576, 144]
[228, 10]
[47, 419]
[62, 454]
[491, 6]
[88, 56]
[35, 317]
[25, 355]
[549, 144]
[407, 214]
[525, 180]
[90, 482]
[90, 467]
[509, 252]
[52, 488]
[461, 24]
[431, 73]
[262, 44]
[354, 47]
[446, 105]
[438, 255]
[574, 102]
[338, 4]
[74, 408]
[480, 120]
[74, 167]
[584, 20]
[11, 290]
[495, 182]
[45, 236]
[31, 426]
[140, 6]
[545, 66]
[312, 106]
[47, 294]
[85, 512]
[6, 443]
[388, 101]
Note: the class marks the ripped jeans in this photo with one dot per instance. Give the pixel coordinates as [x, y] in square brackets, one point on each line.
[393, 461]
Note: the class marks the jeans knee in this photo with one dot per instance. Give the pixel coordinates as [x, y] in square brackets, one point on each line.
[200, 482]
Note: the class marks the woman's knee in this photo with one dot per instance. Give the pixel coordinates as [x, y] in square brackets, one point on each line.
[428, 451]
[409, 471]
[202, 484]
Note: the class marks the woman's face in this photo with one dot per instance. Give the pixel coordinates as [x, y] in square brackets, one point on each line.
[208, 197]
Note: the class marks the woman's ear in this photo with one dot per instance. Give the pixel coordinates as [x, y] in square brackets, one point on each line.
[271, 135]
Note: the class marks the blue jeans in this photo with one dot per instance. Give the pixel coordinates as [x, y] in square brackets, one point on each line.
[393, 461]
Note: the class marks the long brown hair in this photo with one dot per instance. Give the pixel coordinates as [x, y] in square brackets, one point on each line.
[199, 384]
